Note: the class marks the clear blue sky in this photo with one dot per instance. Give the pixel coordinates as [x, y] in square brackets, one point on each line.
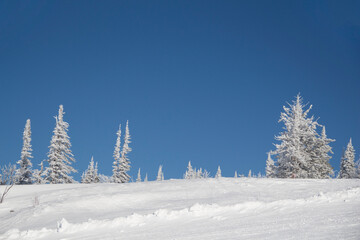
[198, 80]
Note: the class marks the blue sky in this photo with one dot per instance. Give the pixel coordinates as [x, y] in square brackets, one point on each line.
[198, 80]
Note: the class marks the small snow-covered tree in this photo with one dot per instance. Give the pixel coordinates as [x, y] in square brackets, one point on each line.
[250, 175]
[190, 173]
[270, 167]
[236, 174]
[357, 167]
[206, 174]
[90, 175]
[104, 179]
[160, 176]
[37, 174]
[347, 165]
[138, 179]
[146, 178]
[199, 173]
[8, 178]
[218, 173]
[24, 172]
[117, 165]
[60, 155]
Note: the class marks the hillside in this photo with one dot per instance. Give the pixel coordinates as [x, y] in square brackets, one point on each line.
[228, 208]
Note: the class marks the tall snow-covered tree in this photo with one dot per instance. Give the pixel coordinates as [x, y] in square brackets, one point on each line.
[270, 167]
[117, 164]
[125, 162]
[190, 173]
[91, 173]
[218, 173]
[236, 174]
[160, 176]
[297, 142]
[60, 155]
[347, 165]
[24, 172]
[138, 179]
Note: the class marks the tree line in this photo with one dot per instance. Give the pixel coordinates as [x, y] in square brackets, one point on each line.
[303, 151]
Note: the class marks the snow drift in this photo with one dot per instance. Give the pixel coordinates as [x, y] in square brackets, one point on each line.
[225, 208]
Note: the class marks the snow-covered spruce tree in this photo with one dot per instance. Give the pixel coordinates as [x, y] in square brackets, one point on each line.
[37, 174]
[24, 172]
[295, 153]
[160, 176]
[189, 174]
[60, 155]
[125, 162]
[347, 165]
[218, 173]
[357, 168]
[270, 167]
[319, 166]
[236, 174]
[90, 175]
[117, 166]
[206, 174]
[146, 178]
[138, 179]
[250, 174]
[199, 173]
[96, 174]
[104, 179]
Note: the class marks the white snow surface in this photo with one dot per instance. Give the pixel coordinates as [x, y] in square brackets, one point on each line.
[225, 208]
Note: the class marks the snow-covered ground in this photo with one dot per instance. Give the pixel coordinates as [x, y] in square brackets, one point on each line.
[227, 208]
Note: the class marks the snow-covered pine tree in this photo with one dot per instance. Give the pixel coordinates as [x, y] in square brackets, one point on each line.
[199, 173]
[90, 175]
[160, 175]
[24, 172]
[206, 174]
[270, 167]
[294, 153]
[347, 165]
[60, 155]
[117, 166]
[236, 174]
[250, 175]
[138, 179]
[104, 179]
[218, 173]
[146, 178]
[357, 168]
[37, 174]
[97, 177]
[189, 174]
[125, 162]
[319, 166]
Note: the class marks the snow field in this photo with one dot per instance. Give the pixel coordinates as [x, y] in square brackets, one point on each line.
[226, 208]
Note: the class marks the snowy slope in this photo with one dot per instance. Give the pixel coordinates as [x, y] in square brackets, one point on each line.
[224, 208]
